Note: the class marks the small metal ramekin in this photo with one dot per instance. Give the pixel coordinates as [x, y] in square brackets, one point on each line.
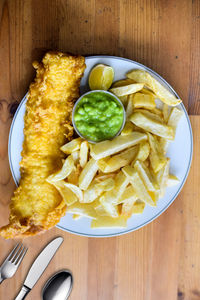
[97, 91]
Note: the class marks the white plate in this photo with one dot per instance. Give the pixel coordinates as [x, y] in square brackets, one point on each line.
[180, 152]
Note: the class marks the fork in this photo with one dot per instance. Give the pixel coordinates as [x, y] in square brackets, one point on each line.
[12, 262]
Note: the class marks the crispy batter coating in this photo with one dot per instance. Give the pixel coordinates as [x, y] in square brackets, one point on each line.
[36, 205]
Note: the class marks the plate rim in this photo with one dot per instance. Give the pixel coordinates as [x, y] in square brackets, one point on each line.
[173, 198]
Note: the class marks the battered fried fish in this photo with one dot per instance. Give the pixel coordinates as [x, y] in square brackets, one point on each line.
[36, 205]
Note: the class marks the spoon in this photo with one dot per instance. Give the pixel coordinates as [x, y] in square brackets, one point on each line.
[58, 287]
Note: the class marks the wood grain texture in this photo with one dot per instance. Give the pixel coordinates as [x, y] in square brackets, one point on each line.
[160, 261]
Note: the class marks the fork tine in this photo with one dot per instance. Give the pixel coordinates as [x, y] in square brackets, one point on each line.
[16, 253]
[12, 252]
[21, 256]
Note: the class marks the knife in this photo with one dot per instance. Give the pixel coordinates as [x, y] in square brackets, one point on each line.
[38, 267]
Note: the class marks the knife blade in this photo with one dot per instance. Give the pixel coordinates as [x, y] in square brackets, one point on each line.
[39, 266]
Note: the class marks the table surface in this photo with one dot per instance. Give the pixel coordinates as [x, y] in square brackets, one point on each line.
[160, 261]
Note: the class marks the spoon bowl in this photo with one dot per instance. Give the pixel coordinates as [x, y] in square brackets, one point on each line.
[58, 286]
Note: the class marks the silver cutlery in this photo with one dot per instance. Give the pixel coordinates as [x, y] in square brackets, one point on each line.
[38, 267]
[12, 262]
[58, 287]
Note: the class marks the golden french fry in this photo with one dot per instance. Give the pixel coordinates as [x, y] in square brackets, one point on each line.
[153, 114]
[127, 89]
[88, 174]
[75, 156]
[101, 177]
[106, 185]
[109, 207]
[84, 148]
[164, 144]
[67, 168]
[165, 112]
[152, 125]
[76, 217]
[122, 82]
[157, 158]
[82, 209]
[72, 146]
[174, 118]
[67, 194]
[117, 161]
[92, 193]
[138, 185]
[101, 211]
[138, 207]
[158, 112]
[163, 93]
[143, 152]
[107, 222]
[147, 92]
[128, 128]
[128, 194]
[127, 207]
[121, 182]
[74, 175]
[129, 107]
[144, 100]
[106, 148]
[172, 180]
[146, 176]
[75, 189]
[162, 177]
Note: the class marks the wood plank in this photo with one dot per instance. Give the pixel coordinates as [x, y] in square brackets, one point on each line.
[161, 260]
[194, 85]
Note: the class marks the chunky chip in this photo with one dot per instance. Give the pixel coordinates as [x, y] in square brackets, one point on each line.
[106, 148]
[117, 161]
[138, 207]
[128, 128]
[143, 100]
[110, 208]
[66, 170]
[106, 185]
[146, 176]
[127, 207]
[83, 209]
[138, 185]
[128, 194]
[92, 193]
[122, 82]
[129, 107]
[72, 146]
[163, 93]
[84, 148]
[174, 118]
[172, 180]
[67, 194]
[151, 125]
[157, 159]
[88, 174]
[127, 89]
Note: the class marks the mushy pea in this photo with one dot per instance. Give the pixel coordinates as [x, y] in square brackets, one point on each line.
[98, 116]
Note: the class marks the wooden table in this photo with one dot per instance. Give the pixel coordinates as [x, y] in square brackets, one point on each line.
[162, 260]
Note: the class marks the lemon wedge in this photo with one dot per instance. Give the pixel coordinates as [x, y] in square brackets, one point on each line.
[101, 77]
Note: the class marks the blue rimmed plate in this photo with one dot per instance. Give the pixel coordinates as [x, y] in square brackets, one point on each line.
[180, 153]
